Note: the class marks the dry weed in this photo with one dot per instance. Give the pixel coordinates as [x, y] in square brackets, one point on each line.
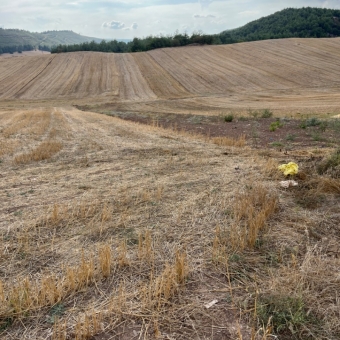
[45, 150]
[226, 141]
[251, 211]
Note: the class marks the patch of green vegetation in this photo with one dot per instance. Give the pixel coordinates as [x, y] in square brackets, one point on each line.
[275, 125]
[277, 144]
[310, 122]
[323, 126]
[55, 313]
[5, 323]
[266, 113]
[287, 314]
[228, 118]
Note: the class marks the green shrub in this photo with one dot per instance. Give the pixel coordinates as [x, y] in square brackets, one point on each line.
[277, 144]
[323, 126]
[228, 118]
[266, 113]
[287, 314]
[310, 122]
[275, 125]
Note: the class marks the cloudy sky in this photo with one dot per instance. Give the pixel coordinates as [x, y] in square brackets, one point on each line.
[125, 19]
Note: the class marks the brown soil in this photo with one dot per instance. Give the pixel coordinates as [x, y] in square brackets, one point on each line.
[290, 135]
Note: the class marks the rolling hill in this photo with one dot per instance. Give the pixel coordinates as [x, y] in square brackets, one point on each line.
[288, 23]
[12, 40]
[287, 74]
[304, 22]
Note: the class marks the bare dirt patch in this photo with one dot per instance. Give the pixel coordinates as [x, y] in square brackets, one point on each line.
[281, 133]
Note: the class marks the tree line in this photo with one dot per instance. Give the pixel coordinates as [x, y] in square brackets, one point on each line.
[305, 22]
[22, 48]
[140, 45]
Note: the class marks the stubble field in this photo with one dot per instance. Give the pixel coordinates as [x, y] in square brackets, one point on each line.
[111, 229]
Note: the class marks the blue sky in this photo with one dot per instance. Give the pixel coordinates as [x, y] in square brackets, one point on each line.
[125, 19]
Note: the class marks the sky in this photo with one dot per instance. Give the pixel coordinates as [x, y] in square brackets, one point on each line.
[126, 19]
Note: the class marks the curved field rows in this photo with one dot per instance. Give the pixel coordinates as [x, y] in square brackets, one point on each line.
[133, 86]
[154, 73]
[274, 70]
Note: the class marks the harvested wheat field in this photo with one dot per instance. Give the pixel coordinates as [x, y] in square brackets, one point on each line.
[112, 229]
[290, 76]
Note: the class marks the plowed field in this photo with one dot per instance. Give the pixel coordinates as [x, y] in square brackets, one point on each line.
[286, 75]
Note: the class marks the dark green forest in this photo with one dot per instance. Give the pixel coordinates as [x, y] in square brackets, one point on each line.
[290, 23]
[305, 22]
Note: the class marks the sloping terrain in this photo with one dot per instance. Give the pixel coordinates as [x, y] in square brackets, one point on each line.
[291, 74]
[114, 185]
[16, 37]
[114, 230]
[111, 229]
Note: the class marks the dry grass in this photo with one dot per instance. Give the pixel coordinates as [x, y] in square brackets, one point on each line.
[133, 229]
[251, 211]
[225, 141]
[45, 150]
[330, 185]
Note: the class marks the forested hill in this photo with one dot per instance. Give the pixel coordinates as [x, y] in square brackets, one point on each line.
[291, 22]
[14, 40]
[304, 22]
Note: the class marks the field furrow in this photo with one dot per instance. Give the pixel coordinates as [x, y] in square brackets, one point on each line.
[159, 80]
[133, 85]
[274, 71]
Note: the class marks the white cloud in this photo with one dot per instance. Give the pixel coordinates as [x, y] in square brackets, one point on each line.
[90, 17]
[114, 25]
[198, 16]
[118, 25]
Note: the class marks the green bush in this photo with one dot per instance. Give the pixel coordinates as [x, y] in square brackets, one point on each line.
[266, 113]
[310, 122]
[228, 118]
[287, 314]
[275, 125]
[277, 144]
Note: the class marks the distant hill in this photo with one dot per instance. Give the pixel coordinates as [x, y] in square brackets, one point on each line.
[14, 40]
[304, 22]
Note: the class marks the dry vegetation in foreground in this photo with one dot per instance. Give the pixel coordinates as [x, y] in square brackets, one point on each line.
[128, 231]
